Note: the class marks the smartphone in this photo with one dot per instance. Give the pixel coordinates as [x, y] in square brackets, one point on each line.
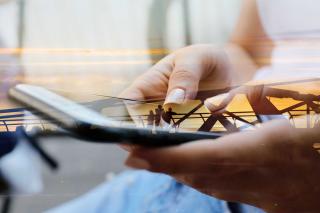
[95, 126]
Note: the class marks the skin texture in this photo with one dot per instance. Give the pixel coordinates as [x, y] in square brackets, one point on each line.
[274, 167]
[186, 69]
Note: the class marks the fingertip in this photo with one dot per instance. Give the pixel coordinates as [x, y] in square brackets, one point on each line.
[175, 96]
[217, 103]
[210, 106]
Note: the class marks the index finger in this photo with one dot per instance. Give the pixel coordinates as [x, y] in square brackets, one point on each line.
[152, 84]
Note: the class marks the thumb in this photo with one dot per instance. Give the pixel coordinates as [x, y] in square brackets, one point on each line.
[185, 158]
[248, 149]
[196, 157]
[219, 103]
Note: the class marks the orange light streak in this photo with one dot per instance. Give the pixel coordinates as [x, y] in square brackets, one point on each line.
[78, 51]
[81, 63]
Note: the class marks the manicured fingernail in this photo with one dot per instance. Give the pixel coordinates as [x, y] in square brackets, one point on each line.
[176, 96]
[137, 163]
[214, 103]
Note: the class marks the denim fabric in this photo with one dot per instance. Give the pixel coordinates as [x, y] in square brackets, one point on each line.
[144, 192]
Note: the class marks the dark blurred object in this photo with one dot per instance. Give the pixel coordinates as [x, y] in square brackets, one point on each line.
[20, 172]
[30, 137]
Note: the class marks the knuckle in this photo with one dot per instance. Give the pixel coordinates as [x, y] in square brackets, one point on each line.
[183, 73]
[184, 79]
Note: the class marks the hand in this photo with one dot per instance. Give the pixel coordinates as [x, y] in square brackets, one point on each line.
[275, 167]
[178, 76]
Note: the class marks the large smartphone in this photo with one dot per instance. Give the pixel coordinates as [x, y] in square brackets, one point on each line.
[108, 119]
[95, 125]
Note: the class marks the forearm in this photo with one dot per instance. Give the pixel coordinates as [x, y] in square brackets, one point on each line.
[249, 46]
[242, 63]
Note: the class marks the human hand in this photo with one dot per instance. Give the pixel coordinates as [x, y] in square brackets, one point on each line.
[274, 167]
[178, 76]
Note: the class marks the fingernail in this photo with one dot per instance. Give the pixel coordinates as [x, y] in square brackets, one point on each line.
[137, 163]
[214, 103]
[176, 96]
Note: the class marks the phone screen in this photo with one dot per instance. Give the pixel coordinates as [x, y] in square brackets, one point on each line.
[297, 101]
[151, 114]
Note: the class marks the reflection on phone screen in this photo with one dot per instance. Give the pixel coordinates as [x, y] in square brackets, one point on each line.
[296, 100]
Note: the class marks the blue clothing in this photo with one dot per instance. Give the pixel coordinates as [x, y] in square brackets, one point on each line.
[143, 192]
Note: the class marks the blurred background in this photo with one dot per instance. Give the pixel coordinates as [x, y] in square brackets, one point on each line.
[98, 47]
